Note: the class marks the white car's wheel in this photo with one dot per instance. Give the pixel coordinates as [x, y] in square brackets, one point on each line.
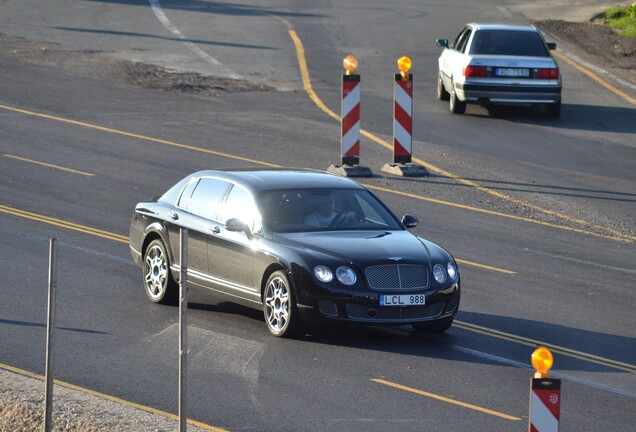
[442, 94]
[456, 106]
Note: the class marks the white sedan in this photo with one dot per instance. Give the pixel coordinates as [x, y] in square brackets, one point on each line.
[501, 65]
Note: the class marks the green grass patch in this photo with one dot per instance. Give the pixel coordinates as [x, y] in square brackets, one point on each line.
[623, 19]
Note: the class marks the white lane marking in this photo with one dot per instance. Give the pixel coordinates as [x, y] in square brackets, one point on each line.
[567, 377]
[161, 16]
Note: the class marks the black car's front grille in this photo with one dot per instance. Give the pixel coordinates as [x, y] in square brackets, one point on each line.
[452, 304]
[327, 307]
[396, 277]
[391, 313]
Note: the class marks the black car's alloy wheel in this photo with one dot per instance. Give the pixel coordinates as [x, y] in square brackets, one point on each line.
[279, 306]
[159, 285]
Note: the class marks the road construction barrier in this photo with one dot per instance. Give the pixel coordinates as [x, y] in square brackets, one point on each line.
[403, 124]
[545, 394]
[350, 113]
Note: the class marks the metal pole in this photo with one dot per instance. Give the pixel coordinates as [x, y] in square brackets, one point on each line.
[50, 338]
[183, 329]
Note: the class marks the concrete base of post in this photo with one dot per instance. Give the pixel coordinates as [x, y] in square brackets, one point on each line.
[405, 170]
[350, 170]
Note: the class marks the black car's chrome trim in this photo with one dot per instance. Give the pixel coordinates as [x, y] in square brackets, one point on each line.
[217, 281]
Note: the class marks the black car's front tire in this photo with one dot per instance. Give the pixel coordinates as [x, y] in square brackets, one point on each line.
[159, 285]
[279, 306]
[433, 327]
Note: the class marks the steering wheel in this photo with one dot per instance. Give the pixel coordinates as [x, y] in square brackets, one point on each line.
[337, 221]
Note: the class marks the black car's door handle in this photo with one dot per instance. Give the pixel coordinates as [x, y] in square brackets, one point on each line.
[174, 216]
[215, 229]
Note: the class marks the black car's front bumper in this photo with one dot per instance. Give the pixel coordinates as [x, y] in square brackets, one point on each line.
[355, 307]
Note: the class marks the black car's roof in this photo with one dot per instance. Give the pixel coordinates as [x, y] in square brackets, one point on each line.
[259, 179]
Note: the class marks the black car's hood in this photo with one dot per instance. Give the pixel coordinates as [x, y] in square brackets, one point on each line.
[365, 246]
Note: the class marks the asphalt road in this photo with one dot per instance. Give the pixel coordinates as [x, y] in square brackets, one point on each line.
[551, 261]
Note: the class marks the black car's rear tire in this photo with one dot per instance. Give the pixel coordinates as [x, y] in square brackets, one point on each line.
[433, 327]
[442, 94]
[159, 285]
[456, 106]
[279, 306]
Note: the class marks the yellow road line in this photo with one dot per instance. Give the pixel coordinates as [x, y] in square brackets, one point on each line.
[495, 213]
[594, 77]
[486, 267]
[300, 53]
[137, 136]
[63, 224]
[48, 165]
[444, 399]
[110, 398]
[615, 235]
[555, 348]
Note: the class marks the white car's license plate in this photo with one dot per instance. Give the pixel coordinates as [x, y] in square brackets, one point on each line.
[403, 300]
[512, 72]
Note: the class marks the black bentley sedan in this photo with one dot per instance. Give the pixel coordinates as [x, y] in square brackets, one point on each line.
[303, 246]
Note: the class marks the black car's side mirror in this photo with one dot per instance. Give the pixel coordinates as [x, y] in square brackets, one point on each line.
[551, 46]
[237, 225]
[410, 221]
[442, 43]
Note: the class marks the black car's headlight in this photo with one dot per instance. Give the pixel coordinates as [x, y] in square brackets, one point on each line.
[441, 274]
[452, 271]
[344, 274]
[323, 273]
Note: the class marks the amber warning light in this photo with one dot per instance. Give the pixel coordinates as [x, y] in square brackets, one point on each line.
[542, 361]
[404, 65]
[350, 64]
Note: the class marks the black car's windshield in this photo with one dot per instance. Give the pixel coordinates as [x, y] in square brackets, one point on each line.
[509, 43]
[299, 210]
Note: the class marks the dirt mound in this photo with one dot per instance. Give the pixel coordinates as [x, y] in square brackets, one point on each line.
[596, 42]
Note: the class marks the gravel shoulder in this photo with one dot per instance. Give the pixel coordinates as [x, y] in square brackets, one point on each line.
[22, 410]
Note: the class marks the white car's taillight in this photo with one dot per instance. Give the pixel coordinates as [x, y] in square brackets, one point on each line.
[547, 73]
[471, 71]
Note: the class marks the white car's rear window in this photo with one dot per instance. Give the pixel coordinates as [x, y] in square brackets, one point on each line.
[508, 43]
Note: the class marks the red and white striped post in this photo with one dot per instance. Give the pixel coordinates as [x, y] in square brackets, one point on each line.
[403, 118]
[403, 124]
[350, 119]
[350, 113]
[545, 394]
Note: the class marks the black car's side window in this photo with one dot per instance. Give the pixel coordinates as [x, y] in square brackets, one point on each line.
[240, 205]
[207, 196]
[184, 199]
